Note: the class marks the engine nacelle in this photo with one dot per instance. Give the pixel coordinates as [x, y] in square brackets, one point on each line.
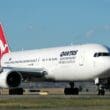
[10, 79]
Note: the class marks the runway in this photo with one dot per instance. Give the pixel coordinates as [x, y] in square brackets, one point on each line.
[55, 96]
[83, 96]
[55, 102]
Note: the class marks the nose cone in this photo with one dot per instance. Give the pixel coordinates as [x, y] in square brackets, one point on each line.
[105, 68]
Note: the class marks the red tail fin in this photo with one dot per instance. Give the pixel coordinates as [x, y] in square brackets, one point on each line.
[4, 48]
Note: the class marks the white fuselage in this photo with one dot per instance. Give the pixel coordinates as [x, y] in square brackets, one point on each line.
[69, 63]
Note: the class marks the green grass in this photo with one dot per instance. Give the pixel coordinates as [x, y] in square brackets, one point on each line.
[53, 102]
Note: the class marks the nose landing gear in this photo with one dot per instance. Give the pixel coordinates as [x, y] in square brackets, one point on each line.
[101, 90]
[100, 86]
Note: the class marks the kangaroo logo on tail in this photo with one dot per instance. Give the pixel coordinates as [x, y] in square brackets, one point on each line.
[4, 48]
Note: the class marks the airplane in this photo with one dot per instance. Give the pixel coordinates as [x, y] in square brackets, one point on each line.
[86, 62]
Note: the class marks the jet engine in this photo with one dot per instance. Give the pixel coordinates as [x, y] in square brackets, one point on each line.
[10, 79]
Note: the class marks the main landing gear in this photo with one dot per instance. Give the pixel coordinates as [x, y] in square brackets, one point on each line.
[72, 90]
[16, 91]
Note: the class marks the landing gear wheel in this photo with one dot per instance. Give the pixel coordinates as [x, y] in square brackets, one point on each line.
[71, 91]
[16, 91]
[101, 92]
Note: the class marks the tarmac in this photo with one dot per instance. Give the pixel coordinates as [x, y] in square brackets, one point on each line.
[82, 95]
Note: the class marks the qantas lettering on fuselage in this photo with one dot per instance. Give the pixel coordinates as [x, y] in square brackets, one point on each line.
[68, 53]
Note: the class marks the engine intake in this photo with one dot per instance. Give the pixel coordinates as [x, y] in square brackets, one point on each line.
[10, 79]
[13, 79]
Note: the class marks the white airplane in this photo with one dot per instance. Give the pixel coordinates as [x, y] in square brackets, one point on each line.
[69, 63]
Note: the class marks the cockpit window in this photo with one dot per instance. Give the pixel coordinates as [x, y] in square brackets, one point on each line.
[101, 54]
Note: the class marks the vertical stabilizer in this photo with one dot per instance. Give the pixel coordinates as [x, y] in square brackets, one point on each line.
[4, 48]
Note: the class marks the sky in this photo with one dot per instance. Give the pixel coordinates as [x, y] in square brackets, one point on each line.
[33, 24]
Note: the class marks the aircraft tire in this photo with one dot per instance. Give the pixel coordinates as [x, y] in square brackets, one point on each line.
[71, 91]
[16, 91]
[101, 92]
